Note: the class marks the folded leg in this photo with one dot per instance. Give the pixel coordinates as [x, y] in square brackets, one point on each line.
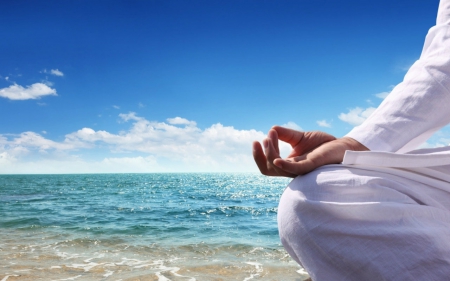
[352, 224]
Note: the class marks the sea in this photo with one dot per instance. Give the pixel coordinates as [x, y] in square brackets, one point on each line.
[142, 227]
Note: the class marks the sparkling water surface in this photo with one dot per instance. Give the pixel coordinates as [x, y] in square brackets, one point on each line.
[142, 227]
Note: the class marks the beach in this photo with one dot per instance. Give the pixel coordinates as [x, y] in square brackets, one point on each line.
[142, 227]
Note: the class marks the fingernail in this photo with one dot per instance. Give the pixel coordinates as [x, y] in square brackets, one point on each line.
[278, 164]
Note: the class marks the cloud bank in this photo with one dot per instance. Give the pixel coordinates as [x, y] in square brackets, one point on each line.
[177, 145]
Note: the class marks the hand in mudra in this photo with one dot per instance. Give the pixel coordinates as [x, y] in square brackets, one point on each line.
[310, 150]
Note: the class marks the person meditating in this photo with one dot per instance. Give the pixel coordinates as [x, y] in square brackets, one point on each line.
[368, 206]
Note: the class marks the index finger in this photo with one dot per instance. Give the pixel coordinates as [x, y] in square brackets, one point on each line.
[290, 136]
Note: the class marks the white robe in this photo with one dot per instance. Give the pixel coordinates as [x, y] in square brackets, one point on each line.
[418, 106]
[383, 214]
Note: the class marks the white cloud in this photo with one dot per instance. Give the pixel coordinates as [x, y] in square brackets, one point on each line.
[130, 116]
[56, 72]
[292, 125]
[382, 95]
[35, 91]
[357, 115]
[48, 83]
[116, 106]
[155, 146]
[438, 139]
[181, 121]
[31, 140]
[6, 162]
[323, 123]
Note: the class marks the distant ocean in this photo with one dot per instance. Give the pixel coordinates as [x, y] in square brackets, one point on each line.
[142, 227]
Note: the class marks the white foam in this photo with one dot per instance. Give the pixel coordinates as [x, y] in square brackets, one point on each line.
[256, 249]
[55, 266]
[7, 276]
[161, 277]
[130, 262]
[86, 267]
[144, 265]
[258, 268]
[65, 255]
[108, 273]
[157, 266]
[302, 271]
[257, 265]
[251, 277]
[71, 278]
[172, 270]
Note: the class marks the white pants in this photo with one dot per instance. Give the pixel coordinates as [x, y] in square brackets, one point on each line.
[354, 223]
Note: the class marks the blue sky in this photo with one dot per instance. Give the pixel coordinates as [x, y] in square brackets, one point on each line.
[185, 86]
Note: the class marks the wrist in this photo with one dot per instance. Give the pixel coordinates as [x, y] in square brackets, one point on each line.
[353, 144]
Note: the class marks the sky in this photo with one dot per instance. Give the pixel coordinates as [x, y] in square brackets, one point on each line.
[186, 86]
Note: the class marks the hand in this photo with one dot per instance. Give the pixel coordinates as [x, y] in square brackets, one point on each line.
[310, 150]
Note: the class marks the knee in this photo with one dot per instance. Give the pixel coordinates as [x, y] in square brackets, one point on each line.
[313, 205]
[293, 199]
[294, 213]
[298, 198]
[307, 213]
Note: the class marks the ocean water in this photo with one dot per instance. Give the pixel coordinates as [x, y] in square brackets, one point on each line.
[142, 227]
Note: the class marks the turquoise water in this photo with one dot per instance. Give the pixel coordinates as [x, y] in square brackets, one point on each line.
[142, 227]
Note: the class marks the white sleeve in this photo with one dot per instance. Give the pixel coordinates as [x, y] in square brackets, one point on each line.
[418, 106]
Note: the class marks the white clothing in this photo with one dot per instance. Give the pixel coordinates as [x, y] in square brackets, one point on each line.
[382, 214]
[419, 105]
[362, 223]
